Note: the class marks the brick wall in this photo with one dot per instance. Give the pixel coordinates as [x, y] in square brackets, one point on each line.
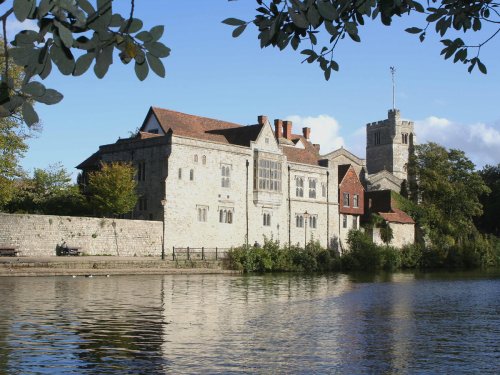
[39, 235]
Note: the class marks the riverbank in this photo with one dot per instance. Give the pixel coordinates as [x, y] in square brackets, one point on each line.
[105, 265]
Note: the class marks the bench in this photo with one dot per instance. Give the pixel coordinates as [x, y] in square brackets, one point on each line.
[8, 251]
[69, 251]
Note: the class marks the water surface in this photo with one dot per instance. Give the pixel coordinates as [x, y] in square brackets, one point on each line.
[396, 323]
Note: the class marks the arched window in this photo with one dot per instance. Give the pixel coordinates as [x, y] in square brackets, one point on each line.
[204, 160]
[229, 217]
[313, 220]
[312, 188]
[180, 173]
[266, 219]
[191, 175]
[196, 158]
[221, 216]
[225, 172]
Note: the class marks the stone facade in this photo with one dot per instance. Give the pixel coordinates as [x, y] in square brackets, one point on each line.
[389, 144]
[39, 235]
[219, 184]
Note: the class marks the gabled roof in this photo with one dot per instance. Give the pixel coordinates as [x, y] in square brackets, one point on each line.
[203, 128]
[91, 161]
[372, 178]
[307, 155]
[397, 216]
[383, 203]
[343, 152]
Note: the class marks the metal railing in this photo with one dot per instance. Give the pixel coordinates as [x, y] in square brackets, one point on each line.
[199, 253]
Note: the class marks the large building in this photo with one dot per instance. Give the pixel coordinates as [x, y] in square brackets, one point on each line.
[220, 184]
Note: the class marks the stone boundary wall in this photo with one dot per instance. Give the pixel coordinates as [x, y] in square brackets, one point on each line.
[39, 235]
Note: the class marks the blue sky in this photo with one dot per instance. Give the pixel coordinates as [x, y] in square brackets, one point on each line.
[211, 74]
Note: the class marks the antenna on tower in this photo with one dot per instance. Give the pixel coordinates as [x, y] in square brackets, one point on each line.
[393, 73]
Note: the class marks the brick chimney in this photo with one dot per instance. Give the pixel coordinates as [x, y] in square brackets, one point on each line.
[278, 128]
[287, 130]
[262, 119]
[306, 132]
[316, 146]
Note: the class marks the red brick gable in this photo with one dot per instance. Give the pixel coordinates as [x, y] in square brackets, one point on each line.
[349, 183]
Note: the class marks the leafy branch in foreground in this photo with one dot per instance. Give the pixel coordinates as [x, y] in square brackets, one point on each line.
[283, 23]
[72, 34]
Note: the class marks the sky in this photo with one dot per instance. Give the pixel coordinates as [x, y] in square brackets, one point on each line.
[211, 74]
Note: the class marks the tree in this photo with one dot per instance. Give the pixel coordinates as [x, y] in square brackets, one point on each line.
[72, 35]
[113, 188]
[283, 23]
[13, 136]
[448, 190]
[49, 192]
[489, 222]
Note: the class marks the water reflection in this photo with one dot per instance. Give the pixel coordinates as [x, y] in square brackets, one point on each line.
[392, 323]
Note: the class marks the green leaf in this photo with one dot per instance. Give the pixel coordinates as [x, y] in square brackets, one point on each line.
[237, 32]
[482, 67]
[413, 30]
[51, 96]
[298, 19]
[22, 9]
[233, 22]
[116, 20]
[141, 70]
[65, 35]
[103, 60]
[327, 10]
[34, 89]
[86, 6]
[334, 65]
[63, 59]
[157, 32]
[29, 114]
[158, 49]
[156, 64]
[83, 63]
[144, 36]
[135, 26]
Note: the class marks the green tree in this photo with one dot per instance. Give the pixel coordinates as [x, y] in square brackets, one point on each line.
[50, 191]
[448, 191]
[489, 222]
[112, 189]
[283, 23]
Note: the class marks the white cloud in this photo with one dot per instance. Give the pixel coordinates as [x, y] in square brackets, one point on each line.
[480, 142]
[324, 130]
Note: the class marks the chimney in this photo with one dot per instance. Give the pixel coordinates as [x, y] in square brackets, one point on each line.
[278, 128]
[262, 119]
[287, 130]
[306, 132]
[316, 146]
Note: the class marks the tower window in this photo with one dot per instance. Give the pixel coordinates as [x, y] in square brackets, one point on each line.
[376, 138]
[404, 138]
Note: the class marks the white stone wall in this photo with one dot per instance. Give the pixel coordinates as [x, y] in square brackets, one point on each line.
[403, 234]
[39, 235]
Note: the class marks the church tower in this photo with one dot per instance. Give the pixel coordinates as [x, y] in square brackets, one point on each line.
[389, 144]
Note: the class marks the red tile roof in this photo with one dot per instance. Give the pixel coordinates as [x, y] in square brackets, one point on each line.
[397, 216]
[307, 155]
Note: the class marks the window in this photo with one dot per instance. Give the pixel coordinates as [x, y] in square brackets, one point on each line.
[269, 175]
[267, 141]
[404, 138]
[376, 138]
[143, 203]
[191, 175]
[180, 173]
[299, 221]
[312, 188]
[204, 160]
[355, 222]
[266, 218]
[313, 221]
[323, 190]
[196, 158]
[226, 215]
[344, 221]
[202, 213]
[299, 189]
[225, 171]
[355, 200]
[346, 200]
[141, 171]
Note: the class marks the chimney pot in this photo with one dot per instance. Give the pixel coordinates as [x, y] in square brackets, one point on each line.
[306, 132]
[278, 128]
[262, 119]
[287, 130]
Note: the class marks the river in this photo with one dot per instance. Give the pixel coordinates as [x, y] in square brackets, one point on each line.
[348, 324]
